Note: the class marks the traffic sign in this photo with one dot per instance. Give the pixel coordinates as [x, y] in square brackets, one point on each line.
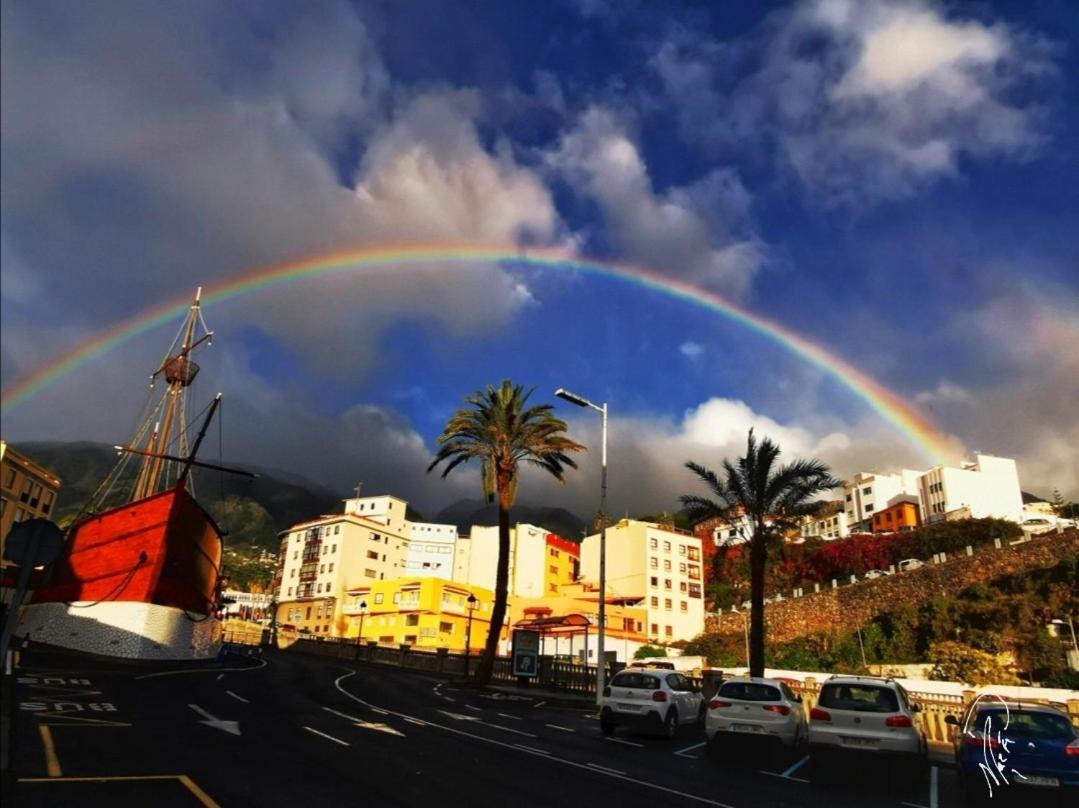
[526, 646]
[33, 542]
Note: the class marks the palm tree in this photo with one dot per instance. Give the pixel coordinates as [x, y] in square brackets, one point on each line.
[497, 430]
[758, 490]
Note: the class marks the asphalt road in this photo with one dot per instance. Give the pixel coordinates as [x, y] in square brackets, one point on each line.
[297, 730]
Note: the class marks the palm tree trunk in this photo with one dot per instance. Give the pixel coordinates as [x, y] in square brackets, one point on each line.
[758, 552]
[498, 612]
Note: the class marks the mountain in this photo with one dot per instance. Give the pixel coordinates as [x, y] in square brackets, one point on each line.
[467, 512]
[252, 511]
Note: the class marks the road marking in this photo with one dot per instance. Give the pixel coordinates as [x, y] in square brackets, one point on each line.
[795, 767]
[508, 729]
[510, 717]
[343, 715]
[380, 728]
[456, 716]
[933, 787]
[477, 709]
[682, 752]
[605, 769]
[531, 749]
[262, 664]
[380, 711]
[539, 704]
[555, 726]
[782, 776]
[547, 756]
[200, 795]
[231, 727]
[416, 721]
[912, 804]
[237, 697]
[329, 737]
[52, 763]
[627, 743]
[447, 698]
[220, 676]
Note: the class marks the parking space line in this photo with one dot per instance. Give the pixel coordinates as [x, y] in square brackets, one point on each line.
[795, 767]
[912, 805]
[342, 715]
[783, 776]
[682, 752]
[532, 749]
[539, 704]
[477, 709]
[605, 769]
[511, 717]
[52, 763]
[237, 697]
[328, 737]
[508, 729]
[933, 787]
[555, 726]
[200, 795]
[627, 743]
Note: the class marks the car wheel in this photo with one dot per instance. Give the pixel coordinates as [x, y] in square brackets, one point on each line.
[670, 724]
[607, 727]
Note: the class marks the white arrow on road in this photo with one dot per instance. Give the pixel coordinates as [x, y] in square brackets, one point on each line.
[379, 728]
[232, 727]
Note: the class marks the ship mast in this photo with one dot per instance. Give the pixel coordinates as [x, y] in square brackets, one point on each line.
[180, 372]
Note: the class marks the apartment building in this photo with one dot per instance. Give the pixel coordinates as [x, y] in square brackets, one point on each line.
[828, 527]
[657, 566]
[27, 490]
[431, 549]
[986, 486]
[321, 559]
[422, 612]
[903, 513]
[539, 561]
[870, 492]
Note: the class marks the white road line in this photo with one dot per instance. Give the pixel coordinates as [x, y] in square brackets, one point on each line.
[555, 726]
[531, 749]
[447, 698]
[416, 721]
[262, 664]
[782, 777]
[220, 676]
[605, 769]
[477, 709]
[511, 717]
[627, 743]
[508, 729]
[342, 715]
[912, 804]
[795, 767]
[933, 787]
[539, 704]
[237, 697]
[380, 711]
[550, 757]
[328, 737]
[682, 752]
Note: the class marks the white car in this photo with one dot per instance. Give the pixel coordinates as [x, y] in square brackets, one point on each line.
[756, 706]
[650, 698]
[1036, 526]
[869, 576]
[864, 714]
[909, 564]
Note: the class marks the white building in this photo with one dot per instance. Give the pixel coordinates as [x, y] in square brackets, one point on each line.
[830, 527]
[658, 565]
[868, 492]
[431, 549]
[985, 487]
[246, 603]
[476, 559]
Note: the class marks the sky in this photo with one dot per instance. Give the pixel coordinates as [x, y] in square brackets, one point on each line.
[894, 181]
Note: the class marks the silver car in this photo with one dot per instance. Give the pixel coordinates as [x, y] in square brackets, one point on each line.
[651, 698]
[864, 714]
[760, 707]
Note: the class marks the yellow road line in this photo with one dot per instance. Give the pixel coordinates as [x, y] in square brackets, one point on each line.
[200, 795]
[52, 763]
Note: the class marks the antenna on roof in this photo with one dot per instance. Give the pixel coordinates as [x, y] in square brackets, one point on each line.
[358, 487]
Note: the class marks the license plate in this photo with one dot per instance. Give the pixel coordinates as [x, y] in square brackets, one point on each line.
[859, 742]
[629, 708]
[745, 728]
[1035, 780]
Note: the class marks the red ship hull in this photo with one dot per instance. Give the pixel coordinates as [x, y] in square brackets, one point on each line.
[163, 550]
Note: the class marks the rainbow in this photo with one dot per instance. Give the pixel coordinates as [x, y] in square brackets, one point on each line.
[917, 430]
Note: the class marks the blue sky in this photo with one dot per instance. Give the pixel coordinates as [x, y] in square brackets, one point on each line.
[895, 181]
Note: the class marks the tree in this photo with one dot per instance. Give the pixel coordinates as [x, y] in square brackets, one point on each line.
[649, 651]
[771, 498]
[500, 431]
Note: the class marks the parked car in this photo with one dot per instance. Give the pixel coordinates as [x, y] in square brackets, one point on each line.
[865, 715]
[909, 564]
[756, 706]
[1001, 744]
[869, 576]
[651, 699]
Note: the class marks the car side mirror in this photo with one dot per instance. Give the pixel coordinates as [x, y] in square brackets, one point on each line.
[951, 719]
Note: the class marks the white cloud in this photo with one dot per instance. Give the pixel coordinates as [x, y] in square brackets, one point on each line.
[946, 393]
[863, 100]
[691, 350]
[699, 233]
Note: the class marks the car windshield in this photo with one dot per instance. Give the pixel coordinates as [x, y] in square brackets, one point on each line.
[1025, 725]
[749, 691]
[638, 681]
[862, 698]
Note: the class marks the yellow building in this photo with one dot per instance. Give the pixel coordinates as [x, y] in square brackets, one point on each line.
[27, 490]
[425, 613]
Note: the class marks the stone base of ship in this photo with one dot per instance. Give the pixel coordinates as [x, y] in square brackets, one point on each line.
[125, 629]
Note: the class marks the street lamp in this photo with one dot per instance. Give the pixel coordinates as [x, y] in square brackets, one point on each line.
[472, 603]
[363, 611]
[1070, 625]
[580, 401]
[745, 628]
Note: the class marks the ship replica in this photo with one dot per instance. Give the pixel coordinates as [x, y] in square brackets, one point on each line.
[140, 569]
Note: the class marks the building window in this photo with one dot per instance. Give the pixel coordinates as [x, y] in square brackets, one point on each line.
[868, 508]
[378, 598]
[553, 569]
[655, 629]
[396, 597]
[331, 567]
[667, 565]
[655, 602]
[654, 581]
[681, 586]
[653, 563]
[412, 619]
[684, 607]
[372, 555]
[694, 554]
[668, 631]
[694, 571]
[667, 604]
[370, 573]
[694, 590]
[682, 568]
[666, 546]
[867, 491]
[290, 591]
[322, 569]
[653, 543]
[445, 628]
[666, 583]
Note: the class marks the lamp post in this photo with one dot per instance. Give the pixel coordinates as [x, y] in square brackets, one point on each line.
[472, 603]
[363, 612]
[580, 401]
[1070, 625]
